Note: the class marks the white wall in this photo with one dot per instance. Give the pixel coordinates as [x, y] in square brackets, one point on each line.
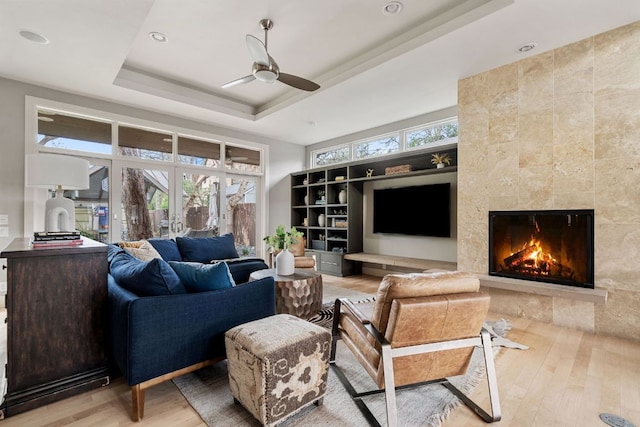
[283, 157]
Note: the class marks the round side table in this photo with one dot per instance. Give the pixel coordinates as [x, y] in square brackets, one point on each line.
[299, 294]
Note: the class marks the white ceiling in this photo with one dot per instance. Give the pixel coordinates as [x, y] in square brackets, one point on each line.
[373, 69]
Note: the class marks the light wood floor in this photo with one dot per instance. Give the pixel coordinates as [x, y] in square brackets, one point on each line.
[566, 378]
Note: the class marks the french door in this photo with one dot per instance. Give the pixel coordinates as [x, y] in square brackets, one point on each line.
[165, 202]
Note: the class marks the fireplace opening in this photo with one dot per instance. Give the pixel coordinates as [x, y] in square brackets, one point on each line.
[554, 246]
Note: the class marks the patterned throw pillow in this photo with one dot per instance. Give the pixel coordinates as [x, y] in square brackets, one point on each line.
[143, 250]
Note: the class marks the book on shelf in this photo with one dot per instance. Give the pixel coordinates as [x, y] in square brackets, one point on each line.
[56, 243]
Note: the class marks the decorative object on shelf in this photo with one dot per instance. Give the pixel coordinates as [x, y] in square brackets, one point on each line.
[305, 181]
[285, 263]
[62, 173]
[397, 169]
[321, 195]
[305, 222]
[340, 224]
[321, 220]
[342, 196]
[440, 159]
[369, 173]
[306, 199]
[340, 178]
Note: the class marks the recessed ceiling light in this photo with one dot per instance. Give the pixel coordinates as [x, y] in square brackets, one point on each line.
[159, 37]
[167, 139]
[392, 8]
[34, 37]
[527, 47]
[45, 119]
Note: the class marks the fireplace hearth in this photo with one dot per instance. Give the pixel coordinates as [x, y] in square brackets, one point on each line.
[553, 246]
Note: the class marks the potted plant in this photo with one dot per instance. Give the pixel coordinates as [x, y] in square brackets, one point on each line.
[280, 242]
[440, 159]
[282, 239]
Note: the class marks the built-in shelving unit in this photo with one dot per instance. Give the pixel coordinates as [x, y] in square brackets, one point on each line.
[331, 223]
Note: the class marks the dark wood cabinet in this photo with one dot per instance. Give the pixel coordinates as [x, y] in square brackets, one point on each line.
[56, 323]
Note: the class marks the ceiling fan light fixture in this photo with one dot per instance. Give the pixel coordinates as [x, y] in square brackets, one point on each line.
[266, 76]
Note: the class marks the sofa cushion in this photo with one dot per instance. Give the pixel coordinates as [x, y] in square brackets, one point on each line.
[145, 278]
[207, 249]
[167, 248]
[198, 277]
[241, 268]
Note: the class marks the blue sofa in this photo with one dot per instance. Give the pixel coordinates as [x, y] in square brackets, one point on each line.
[206, 250]
[161, 328]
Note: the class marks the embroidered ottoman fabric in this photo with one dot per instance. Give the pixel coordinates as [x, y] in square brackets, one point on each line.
[277, 366]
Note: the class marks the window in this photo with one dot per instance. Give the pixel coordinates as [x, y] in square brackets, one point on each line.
[376, 147]
[198, 152]
[433, 134]
[242, 159]
[442, 132]
[144, 144]
[58, 130]
[159, 182]
[332, 156]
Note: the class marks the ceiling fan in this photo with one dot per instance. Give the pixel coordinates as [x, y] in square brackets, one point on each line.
[265, 68]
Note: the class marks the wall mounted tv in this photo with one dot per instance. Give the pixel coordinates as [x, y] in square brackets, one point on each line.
[401, 210]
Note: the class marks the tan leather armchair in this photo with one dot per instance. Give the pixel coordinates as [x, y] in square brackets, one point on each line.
[421, 328]
[300, 260]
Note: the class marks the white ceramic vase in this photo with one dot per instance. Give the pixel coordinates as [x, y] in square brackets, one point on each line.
[321, 219]
[285, 264]
[342, 197]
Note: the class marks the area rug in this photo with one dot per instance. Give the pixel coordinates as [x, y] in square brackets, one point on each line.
[208, 393]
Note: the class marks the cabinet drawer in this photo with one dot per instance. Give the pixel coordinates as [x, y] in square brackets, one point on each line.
[331, 263]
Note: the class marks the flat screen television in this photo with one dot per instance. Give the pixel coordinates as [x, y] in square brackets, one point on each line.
[421, 210]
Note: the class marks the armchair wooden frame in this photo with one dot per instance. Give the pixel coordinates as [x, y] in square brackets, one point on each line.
[387, 356]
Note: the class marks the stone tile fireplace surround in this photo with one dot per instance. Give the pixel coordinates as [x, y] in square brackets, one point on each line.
[558, 130]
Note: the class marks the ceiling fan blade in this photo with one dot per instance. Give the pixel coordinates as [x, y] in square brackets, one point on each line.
[241, 80]
[298, 82]
[257, 50]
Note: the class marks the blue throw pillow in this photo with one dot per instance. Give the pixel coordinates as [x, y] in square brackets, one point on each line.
[167, 248]
[112, 251]
[145, 278]
[198, 277]
[207, 249]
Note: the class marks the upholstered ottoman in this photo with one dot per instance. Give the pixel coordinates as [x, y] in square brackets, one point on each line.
[277, 366]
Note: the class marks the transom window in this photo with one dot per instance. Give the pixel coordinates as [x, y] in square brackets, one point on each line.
[432, 134]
